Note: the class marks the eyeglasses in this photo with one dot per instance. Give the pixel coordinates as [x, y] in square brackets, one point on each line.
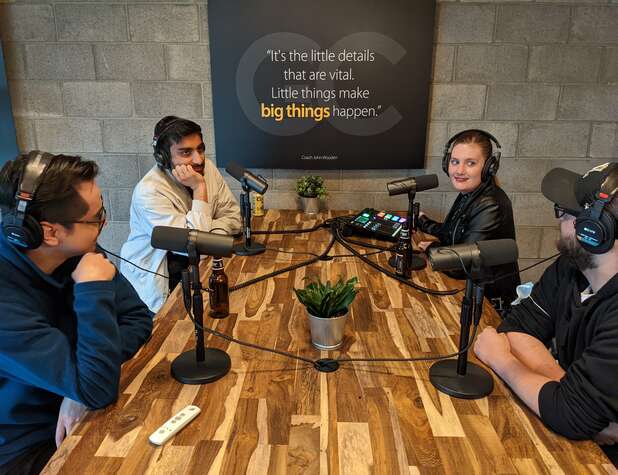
[101, 219]
[559, 211]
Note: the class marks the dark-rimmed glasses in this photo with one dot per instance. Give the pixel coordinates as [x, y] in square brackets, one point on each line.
[101, 219]
[559, 211]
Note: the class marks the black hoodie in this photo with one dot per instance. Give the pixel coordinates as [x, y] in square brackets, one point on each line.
[585, 400]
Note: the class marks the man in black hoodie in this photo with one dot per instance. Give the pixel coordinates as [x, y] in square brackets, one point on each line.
[575, 392]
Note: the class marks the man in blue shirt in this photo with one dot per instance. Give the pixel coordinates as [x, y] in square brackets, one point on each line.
[68, 320]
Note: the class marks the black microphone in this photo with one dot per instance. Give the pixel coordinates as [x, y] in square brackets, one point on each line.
[412, 184]
[177, 239]
[479, 254]
[248, 179]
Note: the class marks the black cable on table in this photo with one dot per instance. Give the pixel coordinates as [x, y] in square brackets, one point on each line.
[419, 358]
[290, 231]
[387, 272]
[250, 345]
[321, 362]
[308, 262]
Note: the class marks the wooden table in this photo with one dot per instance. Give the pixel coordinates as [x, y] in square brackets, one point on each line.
[275, 415]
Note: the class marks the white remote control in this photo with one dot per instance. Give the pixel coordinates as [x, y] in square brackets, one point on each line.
[167, 430]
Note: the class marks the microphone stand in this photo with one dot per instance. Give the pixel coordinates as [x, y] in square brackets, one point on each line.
[247, 248]
[459, 378]
[416, 262]
[202, 365]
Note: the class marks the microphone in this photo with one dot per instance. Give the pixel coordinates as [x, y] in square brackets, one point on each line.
[412, 184]
[248, 179]
[479, 254]
[177, 239]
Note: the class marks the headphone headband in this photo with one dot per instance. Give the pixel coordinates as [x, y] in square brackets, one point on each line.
[29, 181]
[155, 138]
[18, 227]
[482, 132]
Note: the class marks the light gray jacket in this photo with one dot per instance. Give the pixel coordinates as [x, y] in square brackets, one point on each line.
[159, 200]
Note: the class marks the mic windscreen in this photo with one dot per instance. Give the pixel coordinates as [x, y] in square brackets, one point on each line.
[412, 184]
[177, 240]
[426, 182]
[399, 187]
[235, 170]
[213, 244]
[456, 257]
[498, 251]
[169, 238]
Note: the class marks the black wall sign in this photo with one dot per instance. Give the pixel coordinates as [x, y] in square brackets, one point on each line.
[321, 84]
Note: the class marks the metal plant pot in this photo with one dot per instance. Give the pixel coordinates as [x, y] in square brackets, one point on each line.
[327, 333]
[310, 205]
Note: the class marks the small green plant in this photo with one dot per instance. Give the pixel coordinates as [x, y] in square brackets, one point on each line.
[311, 186]
[326, 300]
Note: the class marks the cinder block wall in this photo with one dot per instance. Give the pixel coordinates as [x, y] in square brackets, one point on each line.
[93, 78]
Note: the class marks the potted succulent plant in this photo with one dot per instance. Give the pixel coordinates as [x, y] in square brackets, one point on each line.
[327, 306]
[310, 189]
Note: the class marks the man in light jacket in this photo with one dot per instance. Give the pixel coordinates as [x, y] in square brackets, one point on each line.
[182, 190]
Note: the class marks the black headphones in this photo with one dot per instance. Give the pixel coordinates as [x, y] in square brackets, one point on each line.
[595, 226]
[491, 164]
[161, 156]
[18, 227]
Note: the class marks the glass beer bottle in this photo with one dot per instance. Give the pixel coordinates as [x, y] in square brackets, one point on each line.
[403, 254]
[218, 290]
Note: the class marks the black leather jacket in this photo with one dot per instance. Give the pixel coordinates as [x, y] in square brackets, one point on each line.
[483, 214]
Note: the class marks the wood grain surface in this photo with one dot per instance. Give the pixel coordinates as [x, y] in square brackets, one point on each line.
[273, 415]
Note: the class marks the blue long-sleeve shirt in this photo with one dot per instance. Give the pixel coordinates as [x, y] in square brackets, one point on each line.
[59, 339]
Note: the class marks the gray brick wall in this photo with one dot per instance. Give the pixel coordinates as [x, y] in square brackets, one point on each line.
[93, 78]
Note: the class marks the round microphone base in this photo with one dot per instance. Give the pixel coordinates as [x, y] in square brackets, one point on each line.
[252, 250]
[187, 370]
[475, 384]
[326, 365]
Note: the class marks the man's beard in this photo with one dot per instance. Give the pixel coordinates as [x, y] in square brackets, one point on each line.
[569, 247]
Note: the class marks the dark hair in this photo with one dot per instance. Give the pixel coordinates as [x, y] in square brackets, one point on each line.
[56, 199]
[171, 130]
[474, 136]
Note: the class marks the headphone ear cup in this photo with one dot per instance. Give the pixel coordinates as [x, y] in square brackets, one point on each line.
[161, 159]
[34, 230]
[445, 161]
[602, 231]
[489, 168]
[28, 235]
[158, 158]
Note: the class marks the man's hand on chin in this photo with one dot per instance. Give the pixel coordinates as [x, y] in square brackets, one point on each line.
[493, 348]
